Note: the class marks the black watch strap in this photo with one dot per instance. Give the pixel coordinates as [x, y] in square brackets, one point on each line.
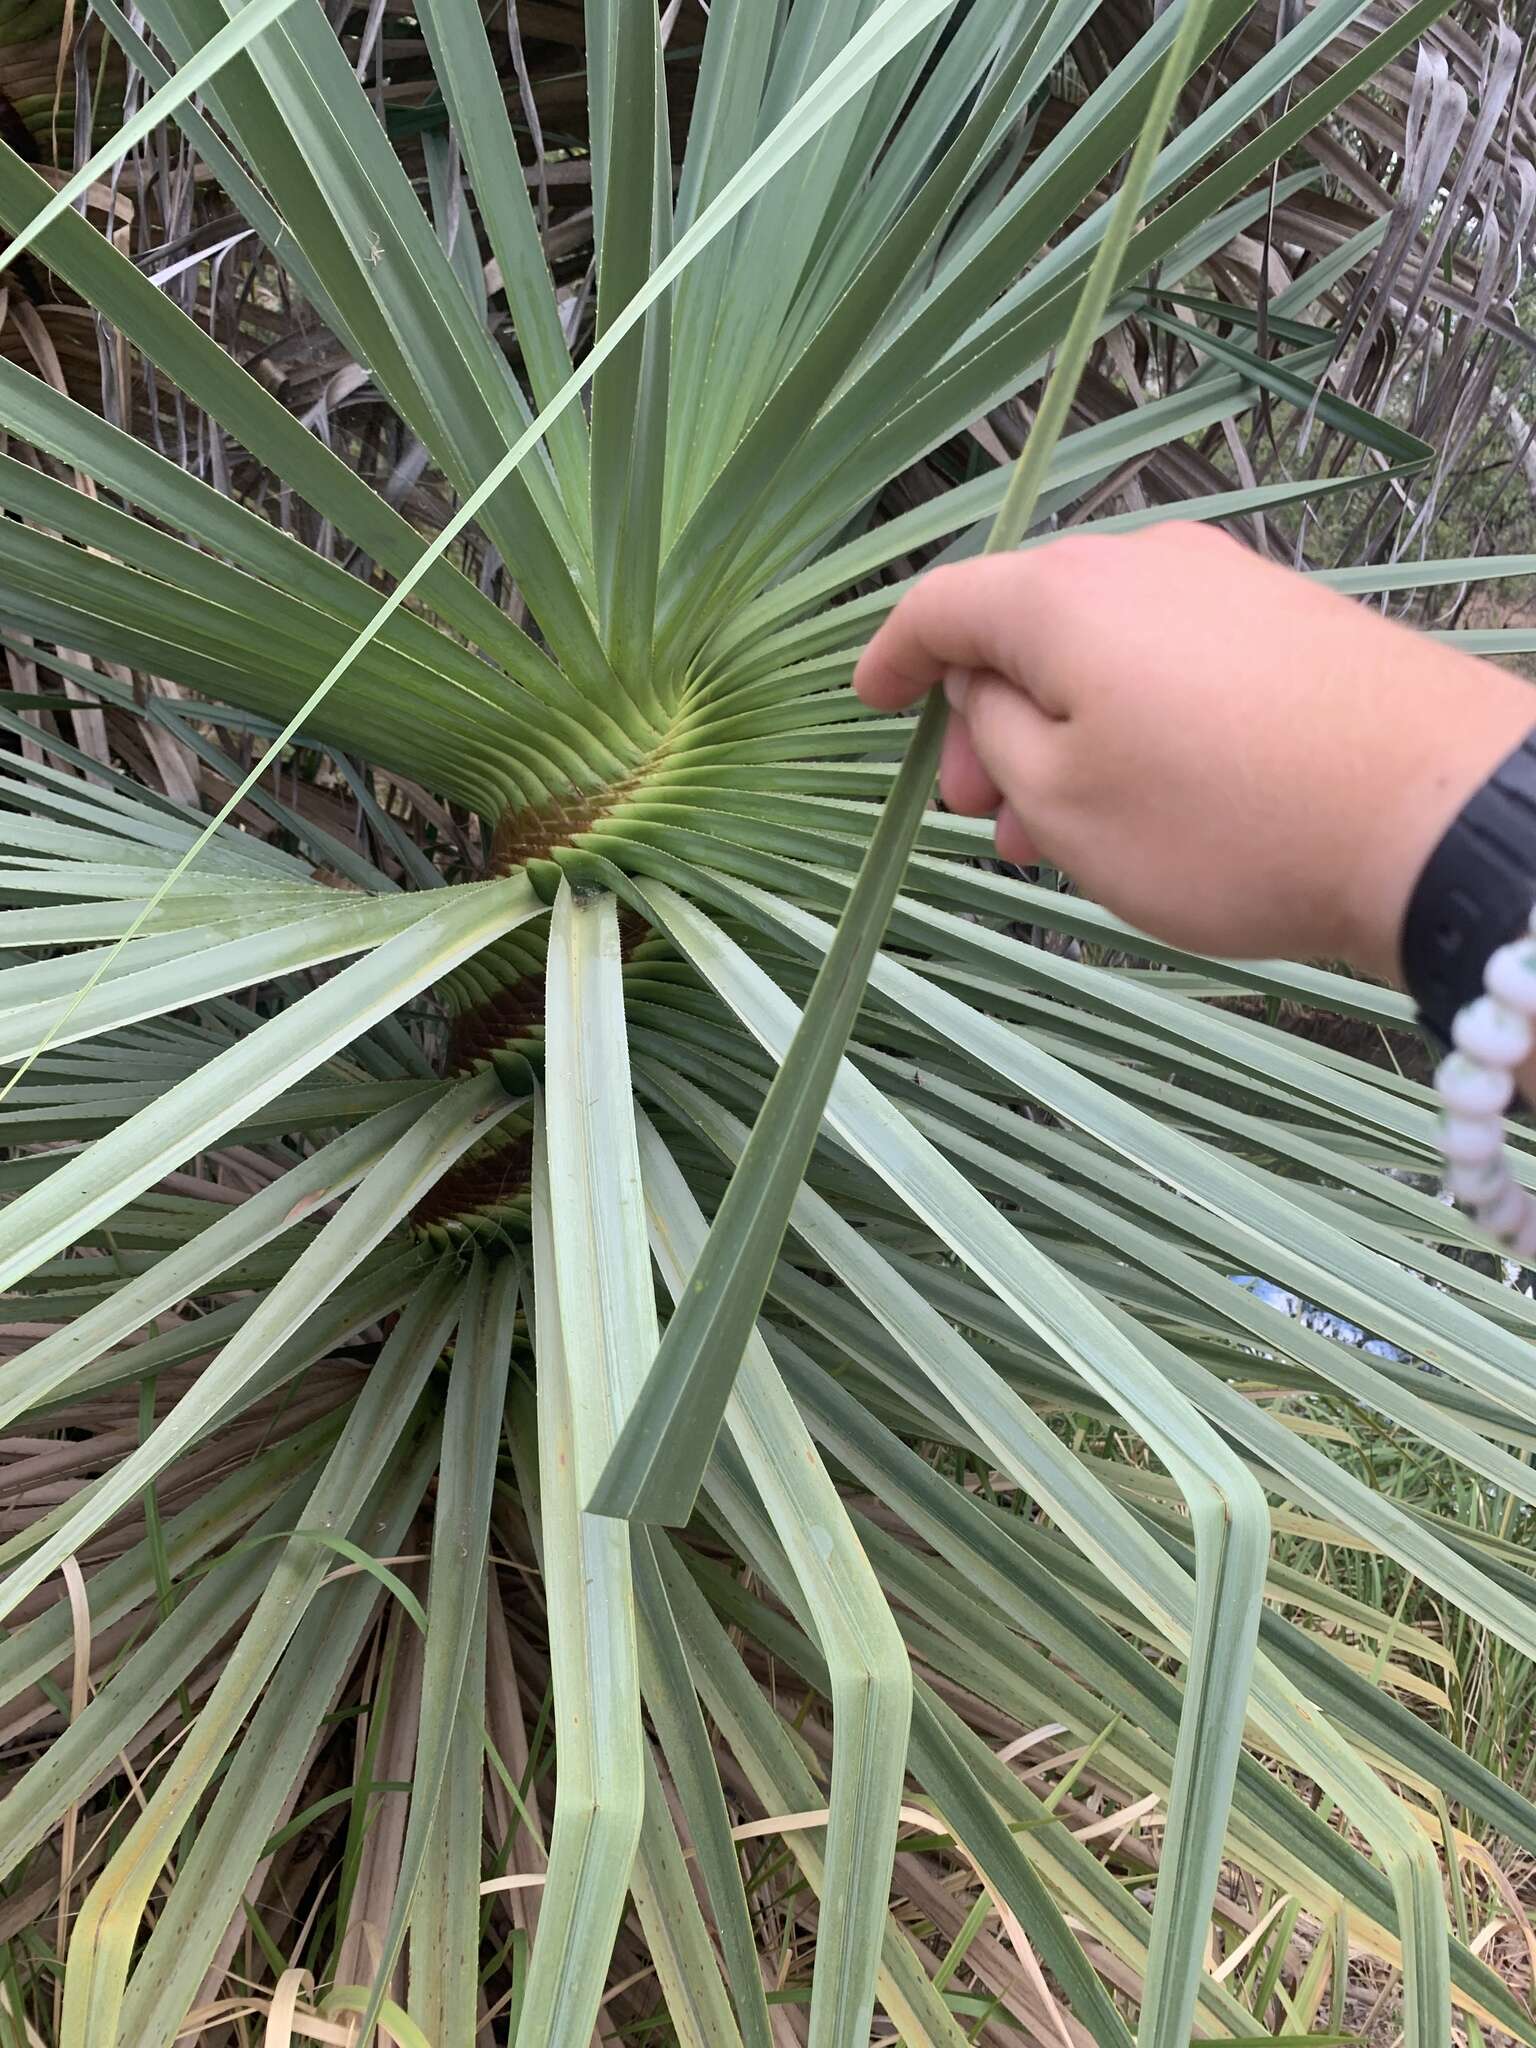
[1475, 893]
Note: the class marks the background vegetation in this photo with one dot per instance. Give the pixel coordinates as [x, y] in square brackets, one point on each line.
[259, 1781]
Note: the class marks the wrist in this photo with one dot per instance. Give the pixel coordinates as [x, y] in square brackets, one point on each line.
[1419, 892]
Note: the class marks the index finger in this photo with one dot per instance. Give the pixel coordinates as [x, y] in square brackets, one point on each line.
[963, 616]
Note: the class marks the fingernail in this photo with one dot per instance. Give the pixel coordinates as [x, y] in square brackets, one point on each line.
[957, 687]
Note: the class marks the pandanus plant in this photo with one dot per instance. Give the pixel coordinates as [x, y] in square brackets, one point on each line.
[618, 1355]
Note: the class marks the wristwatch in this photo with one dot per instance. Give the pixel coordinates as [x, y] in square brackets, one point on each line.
[1475, 893]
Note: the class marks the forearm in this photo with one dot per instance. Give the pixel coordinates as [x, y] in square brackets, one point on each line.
[1233, 758]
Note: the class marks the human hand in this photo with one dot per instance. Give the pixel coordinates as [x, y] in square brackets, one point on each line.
[1231, 757]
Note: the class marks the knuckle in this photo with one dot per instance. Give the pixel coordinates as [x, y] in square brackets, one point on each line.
[1191, 536]
[1079, 549]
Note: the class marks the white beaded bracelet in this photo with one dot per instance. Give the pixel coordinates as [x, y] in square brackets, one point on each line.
[1492, 1037]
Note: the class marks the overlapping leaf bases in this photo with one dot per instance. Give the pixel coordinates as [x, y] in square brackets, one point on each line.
[345, 1209]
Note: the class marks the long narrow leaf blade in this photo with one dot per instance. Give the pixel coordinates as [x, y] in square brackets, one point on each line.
[659, 1459]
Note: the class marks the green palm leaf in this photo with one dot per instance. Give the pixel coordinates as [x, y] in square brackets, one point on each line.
[538, 1060]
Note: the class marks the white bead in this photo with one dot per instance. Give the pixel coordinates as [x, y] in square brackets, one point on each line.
[1510, 976]
[1469, 1140]
[1479, 1183]
[1472, 1089]
[1492, 1032]
[1504, 1217]
[1522, 1242]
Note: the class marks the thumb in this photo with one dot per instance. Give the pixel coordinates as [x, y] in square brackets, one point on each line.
[972, 615]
